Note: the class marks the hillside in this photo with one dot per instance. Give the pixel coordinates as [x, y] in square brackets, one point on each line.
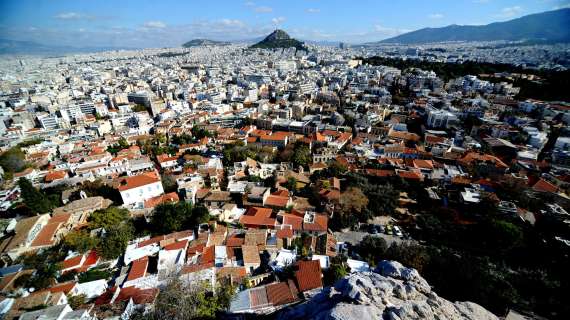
[551, 26]
[204, 42]
[279, 39]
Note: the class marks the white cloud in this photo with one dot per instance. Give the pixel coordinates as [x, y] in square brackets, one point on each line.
[313, 10]
[263, 9]
[155, 24]
[249, 3]
[436, 16]
[69, 16]
[510, 12]
[232, 22]
[278, 20]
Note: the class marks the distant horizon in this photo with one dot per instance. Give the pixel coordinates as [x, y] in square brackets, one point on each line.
[170, 23]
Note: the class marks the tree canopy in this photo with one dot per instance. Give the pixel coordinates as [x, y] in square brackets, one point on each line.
[34, 199]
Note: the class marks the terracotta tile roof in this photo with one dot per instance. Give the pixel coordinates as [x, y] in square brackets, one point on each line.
[257, 237]
[257, 216]
[62, 287]
[474, 157]
[208, 255]
[177, 245]
[74, 262]
[258, 297]
[61, 218]
[544, 186]
[55, 175]
[46, 237]
[236, 273]
[138, 269]
[90, 261]
[150, 241]
[140, 180]
[277, 201]
[163, 198]
[309, 275]
[320, 223]
[196, 267]
[423, 164]
[410, 175]
[139, 296]
[250, 254]
[235, 240]
[280, 293]
[380, 173]
[294, 221]
[284, 233]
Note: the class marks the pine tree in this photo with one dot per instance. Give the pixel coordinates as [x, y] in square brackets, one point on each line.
[34, 199]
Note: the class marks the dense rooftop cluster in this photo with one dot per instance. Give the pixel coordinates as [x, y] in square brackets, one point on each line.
[246, 172]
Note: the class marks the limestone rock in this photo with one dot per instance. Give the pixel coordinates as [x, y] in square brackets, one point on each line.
[392, 291]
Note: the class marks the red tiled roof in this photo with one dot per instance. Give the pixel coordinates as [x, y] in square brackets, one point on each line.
[294, 221]
[55, 175]
[140, 180]
[410, 175]
[544, 186]
[138, 269]
[320, 223]
[279, 293]
[196, 267]
[277, 201]
[208, 255]
[150, 241]
[284, 233]
[235, 241]
[72, 262]
[46, 235]
[90, 261]
[139, 296]
[257, 216]
[309, 275]
[177, 245]
[62, 287]
[163, 198]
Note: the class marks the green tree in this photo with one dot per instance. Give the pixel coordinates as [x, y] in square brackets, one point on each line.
[336, 271]
[80, 241]
[76, 301]
[34, 199]
[115, 241]
[302, 156]
[108, 218]
[13, 160]
[372, 249]
[169, 217]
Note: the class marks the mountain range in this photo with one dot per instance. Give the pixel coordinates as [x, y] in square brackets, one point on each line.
[8, 46]
[204, 42]
[550, 26]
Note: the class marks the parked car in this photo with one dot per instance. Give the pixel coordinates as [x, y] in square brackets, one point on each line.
[380, 228]
[388, 229]
[397, 231]
[372, 229]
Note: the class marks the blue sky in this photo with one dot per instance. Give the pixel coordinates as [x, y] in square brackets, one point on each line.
[145, 23]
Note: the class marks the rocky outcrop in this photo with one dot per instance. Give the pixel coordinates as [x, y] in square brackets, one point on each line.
[392, 291]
